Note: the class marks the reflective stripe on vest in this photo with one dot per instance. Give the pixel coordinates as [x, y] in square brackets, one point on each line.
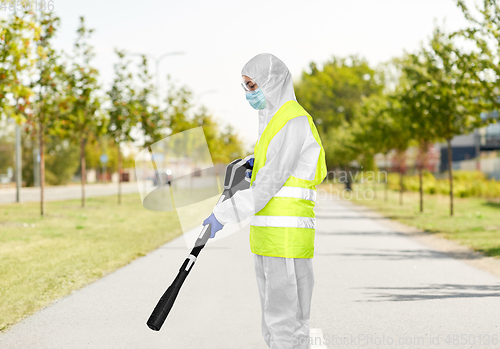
[285, 226]
[284, 221]
[297, 192]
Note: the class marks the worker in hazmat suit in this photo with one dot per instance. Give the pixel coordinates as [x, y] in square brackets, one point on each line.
[288, 162]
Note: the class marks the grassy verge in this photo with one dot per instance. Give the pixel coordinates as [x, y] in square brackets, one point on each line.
[43, 259]
[476, 222]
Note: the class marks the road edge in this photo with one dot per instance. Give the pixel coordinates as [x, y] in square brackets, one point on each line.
[450, 247]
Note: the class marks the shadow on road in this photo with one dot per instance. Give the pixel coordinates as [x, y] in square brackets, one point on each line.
[398, 255]
[363, 217]
[334, 209]
[370, 233]
[432, 291]
[189, 248]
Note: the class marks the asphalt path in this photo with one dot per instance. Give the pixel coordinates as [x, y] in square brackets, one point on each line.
[375, 287]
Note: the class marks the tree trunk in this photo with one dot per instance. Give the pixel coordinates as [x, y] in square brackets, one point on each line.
[477, 145]
[348, 185]
[421, 190]
[42, 171]
[401, 188]
[450, 173]
[19, 166]
[84, 170]
[120, 175]
[386, 193]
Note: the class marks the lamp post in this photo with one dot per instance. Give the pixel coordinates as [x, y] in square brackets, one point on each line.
[18, 163]
[18, 159]
[157, 71]
[157, 68]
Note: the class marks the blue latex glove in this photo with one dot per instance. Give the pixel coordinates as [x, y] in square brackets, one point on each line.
[216, 225]
[248, 173]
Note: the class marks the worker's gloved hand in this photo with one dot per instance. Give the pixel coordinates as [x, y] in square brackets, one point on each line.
[248, 173]
[216, 225]
[250, 161]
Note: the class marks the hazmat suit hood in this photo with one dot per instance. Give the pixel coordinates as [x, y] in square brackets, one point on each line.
[274, 79]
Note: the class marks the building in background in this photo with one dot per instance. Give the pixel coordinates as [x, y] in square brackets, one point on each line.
[475, 151]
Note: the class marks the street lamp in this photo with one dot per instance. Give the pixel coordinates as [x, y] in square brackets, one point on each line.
[18, 160]
[158, 71]
[157, 68]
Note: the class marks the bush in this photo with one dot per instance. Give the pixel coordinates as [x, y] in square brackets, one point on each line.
[465, 184]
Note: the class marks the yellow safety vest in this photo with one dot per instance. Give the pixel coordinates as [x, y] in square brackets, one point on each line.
[285, 226]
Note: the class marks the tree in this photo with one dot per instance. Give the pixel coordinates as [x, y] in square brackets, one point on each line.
[416, 101]
[16, 35]
[61, 160]
[333, 95]
[181, 115]
[384, 127]
[341, 148]
[457, 99]
[179, 108]
[30, 164]
[334, 92]
[224, 144]
[84, 118]
[6, 145]
[399, 133]
[232, 145]
[151, 119]
[376, 129]
[483, 65]
[93, 151]
[51, 87]
[123, 112]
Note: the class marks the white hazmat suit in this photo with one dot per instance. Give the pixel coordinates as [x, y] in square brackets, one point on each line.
[285, 284]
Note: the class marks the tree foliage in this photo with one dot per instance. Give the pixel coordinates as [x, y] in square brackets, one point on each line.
[150, 118]
[181, 115]
[17, 34]
[333, 95]
[123, 113]
[50, 101]
[483, 64]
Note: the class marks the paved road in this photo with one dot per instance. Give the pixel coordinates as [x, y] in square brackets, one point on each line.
[65, 192]
[373, 285]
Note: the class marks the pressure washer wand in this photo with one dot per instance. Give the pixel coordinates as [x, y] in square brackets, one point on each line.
[167, 301]
[235, 179]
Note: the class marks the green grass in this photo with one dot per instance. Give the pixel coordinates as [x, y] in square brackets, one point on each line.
[476, 221]
[43, 259]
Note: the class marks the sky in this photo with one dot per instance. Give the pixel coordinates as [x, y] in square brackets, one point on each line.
[219, 37]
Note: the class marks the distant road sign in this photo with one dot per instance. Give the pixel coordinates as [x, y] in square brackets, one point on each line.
[103, 158]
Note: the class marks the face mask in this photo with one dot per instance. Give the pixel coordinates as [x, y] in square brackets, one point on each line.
[256, 99]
